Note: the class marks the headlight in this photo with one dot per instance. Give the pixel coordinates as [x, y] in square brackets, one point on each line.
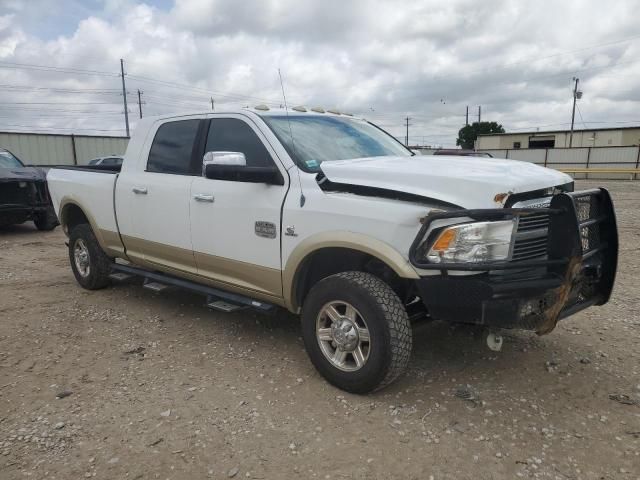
[473, 243]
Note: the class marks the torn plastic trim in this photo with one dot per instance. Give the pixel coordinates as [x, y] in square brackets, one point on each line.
[328, 186]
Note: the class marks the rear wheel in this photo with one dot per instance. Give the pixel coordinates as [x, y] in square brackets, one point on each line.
[90, 265]
[356, 331]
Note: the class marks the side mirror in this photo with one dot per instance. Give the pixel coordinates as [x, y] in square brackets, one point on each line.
[223, 158]
[232, 166]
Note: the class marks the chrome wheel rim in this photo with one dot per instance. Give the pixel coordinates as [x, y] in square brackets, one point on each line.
[343, 336]
[81, 257]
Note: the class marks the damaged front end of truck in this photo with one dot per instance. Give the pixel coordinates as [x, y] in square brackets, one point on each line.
[562, 259]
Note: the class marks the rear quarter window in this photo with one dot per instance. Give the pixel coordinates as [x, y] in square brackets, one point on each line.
[172, 146]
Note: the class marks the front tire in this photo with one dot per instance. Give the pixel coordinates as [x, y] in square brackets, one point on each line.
[356, 331]
[90, 265]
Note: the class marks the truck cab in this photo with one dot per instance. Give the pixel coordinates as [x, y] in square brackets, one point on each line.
[330, 217]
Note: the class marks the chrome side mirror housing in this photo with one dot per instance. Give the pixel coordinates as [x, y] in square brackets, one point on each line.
[236, 159]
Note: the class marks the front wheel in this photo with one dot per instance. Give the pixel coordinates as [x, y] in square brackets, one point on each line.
[356, 331]
[90, 265]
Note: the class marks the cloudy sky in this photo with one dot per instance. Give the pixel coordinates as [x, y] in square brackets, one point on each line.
[385, 60]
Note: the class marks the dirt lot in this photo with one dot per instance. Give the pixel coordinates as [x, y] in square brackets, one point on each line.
[161, 387]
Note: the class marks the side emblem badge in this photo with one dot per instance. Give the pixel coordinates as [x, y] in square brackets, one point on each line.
[265, 229]
[290, 231]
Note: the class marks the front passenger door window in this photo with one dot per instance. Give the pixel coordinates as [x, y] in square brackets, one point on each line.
[234, 135]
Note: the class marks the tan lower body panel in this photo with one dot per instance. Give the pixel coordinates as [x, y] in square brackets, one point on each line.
[111, 243]
[240, 277]
[157, 253]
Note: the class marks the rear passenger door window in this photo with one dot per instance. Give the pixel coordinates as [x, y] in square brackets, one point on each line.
[172, 147]
[234, 135]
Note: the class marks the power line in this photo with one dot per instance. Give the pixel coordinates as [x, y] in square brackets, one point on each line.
[57, 103]
[580, 113]
[50, 68]
[64, 128]
[92, 91]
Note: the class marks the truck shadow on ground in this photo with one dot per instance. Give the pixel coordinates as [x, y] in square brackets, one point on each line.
[442, 352]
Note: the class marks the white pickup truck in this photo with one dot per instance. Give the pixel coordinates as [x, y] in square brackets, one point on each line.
[331, 218]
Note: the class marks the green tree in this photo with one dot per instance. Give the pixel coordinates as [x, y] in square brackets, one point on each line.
[468, 134]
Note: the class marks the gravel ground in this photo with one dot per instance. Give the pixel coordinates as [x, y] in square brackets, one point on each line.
[157, 386]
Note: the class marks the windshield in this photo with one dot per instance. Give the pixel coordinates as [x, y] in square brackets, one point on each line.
[7, 160]
[318, 139]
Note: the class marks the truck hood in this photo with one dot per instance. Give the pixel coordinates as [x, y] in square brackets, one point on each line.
[25, 174]
[469, 182]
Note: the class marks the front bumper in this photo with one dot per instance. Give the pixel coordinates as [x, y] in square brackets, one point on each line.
[578, 271]
[22, 200]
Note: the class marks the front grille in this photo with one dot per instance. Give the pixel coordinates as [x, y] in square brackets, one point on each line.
[529, 249]
[533, 222]
[531, 238]
[13, 193]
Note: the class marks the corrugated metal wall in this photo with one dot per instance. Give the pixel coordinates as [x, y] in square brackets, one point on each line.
[44, 149]
[92, 147]
[584, 157]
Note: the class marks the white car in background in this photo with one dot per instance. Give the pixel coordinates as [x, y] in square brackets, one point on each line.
[111, 160]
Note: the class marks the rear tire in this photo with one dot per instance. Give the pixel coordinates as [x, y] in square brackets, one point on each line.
[356, 331]
[90, 265]
[46, 221]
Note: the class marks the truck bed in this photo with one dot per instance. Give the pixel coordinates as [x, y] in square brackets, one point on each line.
[89, 187]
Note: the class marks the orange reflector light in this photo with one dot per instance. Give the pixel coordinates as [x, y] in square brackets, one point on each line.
[445, 239]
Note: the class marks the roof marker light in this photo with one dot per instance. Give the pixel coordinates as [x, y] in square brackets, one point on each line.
[317, 109]
[299, 108]
[335, 112]
[262, 107]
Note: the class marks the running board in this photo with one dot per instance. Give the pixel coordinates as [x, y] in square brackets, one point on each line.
[215, 303]
[154, 286]
[215, 297]
[120, 277]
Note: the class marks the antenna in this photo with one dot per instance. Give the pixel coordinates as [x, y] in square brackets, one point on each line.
[293, 144]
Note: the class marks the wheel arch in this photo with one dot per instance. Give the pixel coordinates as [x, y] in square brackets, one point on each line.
[72, 213]
[345, 248]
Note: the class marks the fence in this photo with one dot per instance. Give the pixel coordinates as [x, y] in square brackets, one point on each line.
[54, 149]
[612, 163]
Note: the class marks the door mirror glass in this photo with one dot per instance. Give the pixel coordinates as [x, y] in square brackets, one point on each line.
[223, 158]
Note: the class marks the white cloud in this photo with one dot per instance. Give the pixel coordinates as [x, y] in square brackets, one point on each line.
[389, 59]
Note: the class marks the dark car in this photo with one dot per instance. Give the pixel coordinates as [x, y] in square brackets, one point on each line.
[463, 153]
[24, 194]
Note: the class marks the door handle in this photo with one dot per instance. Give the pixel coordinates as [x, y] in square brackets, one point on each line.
[201, 197]
[139, 190]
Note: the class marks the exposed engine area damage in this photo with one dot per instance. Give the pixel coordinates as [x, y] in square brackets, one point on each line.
[328, 186]
[501, 198]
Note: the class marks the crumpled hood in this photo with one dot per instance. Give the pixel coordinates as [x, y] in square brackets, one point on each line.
[26, 174]
[470, 182]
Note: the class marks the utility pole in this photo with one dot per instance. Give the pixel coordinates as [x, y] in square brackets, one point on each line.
[406, 143]
[573, 113]
[124, 97]
[479, 113]
[140, 102]
[212, 105]
[466, 122]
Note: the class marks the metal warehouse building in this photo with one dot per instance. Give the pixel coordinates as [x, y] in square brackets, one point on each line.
[600, 137]
[55, 149]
